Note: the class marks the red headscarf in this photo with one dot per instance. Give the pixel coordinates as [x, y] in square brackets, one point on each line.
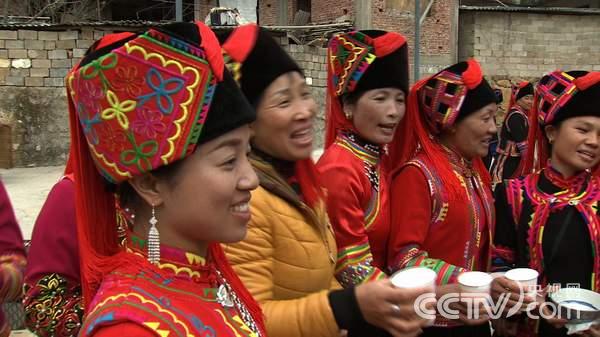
[420, 128]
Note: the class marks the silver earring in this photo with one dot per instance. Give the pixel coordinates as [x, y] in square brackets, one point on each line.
[153, 240]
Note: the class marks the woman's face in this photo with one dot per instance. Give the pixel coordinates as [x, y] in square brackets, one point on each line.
[208, 198]
[526, 102]
[471, 136]
[575, 144]
[376, 114]
[285, 119]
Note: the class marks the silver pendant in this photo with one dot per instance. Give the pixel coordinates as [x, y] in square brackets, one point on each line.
[223, 297]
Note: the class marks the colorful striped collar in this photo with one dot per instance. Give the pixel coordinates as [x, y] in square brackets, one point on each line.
[361, 148]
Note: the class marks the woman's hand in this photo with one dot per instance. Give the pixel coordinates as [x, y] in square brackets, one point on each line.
[391, 308]
[460, 305]
[502, 287]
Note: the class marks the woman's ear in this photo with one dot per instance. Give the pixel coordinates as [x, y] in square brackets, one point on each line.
[348, 110]
[551, 133]
[148, 189]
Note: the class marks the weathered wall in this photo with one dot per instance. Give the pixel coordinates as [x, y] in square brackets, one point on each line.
[32, 96]
[525, 45]
[33, 65]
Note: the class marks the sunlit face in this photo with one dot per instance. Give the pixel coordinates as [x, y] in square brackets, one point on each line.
[376, 114]
[575, 143]
[472, 135]
[209, 199]
[285, 118]
[526, 102]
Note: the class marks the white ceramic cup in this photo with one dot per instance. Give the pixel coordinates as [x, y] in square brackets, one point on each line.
[417, 277]
[475, 282]
[526, 278]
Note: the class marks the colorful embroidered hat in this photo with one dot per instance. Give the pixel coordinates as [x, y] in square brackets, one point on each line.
[255, 59]
[367, 59]
[359, 61]
[559, 95]
[453, 94]
[147, 100]
[138, 102]
[562, 95]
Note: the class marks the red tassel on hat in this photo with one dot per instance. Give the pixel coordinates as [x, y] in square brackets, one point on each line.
[473, 76]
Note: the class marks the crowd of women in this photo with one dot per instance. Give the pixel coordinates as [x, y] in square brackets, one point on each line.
[190, 205]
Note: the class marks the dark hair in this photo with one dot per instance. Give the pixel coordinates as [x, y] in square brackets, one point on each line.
[352, 97]
[129, 198]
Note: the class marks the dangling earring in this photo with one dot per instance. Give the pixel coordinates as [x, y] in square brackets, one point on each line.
[348, 114]
[153, 240]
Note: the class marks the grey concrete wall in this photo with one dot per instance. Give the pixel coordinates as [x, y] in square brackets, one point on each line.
[527, 45]
[33, 65]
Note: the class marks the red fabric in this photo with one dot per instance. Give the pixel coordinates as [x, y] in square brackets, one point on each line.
[442, 243]
[584, 82]
[130, 299]
[349, 193]
[125, 329]
[212, 48]
[112, 38]
[388, 43]
[54, 247]
[11, 240]
[241, 42]
[473, 76]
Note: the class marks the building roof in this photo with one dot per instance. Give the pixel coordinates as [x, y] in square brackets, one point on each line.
[539, 10]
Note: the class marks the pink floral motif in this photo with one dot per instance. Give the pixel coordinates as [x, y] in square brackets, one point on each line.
[112, 139]
[91, 95]
[148, 123]
[127, 80]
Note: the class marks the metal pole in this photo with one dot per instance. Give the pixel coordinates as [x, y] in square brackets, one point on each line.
[178, 10]
[417, 51]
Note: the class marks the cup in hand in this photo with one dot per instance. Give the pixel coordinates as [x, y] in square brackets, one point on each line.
[417, 278]
[475, 282]
[526, 278]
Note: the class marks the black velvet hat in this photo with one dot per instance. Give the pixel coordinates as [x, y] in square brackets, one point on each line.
[260, 59]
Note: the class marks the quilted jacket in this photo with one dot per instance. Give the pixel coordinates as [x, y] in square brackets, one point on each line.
[287, 260]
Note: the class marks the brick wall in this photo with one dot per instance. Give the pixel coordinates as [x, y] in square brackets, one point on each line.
[525, 45]
[33, 65]
[325, 11]
[33, 102]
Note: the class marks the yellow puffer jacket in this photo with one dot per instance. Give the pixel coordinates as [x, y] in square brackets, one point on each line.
[287, 260]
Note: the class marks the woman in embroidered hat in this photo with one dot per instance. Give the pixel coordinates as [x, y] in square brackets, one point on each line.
[441, 205]
[367, 86]
[288, 258]
[549, 220]
[157, 119]
[513, 135]
[12, 258]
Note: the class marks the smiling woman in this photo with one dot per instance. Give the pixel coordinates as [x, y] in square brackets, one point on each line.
[441, 204]
[365, 105]
[557, 204]
[289, 256]
[180, 166]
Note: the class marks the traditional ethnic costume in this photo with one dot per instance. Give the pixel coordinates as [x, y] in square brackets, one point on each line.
[12, 258]
[138, 103]
[287, 259]
[354, 171]
[441, 203]
[53, 303]
[513, 138]
[545, 221]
